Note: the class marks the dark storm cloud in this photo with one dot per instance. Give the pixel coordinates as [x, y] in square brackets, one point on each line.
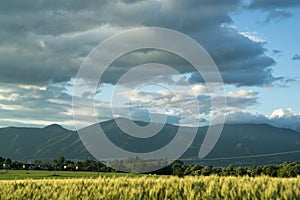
[45, 41]
[34, 67]
[241, 61]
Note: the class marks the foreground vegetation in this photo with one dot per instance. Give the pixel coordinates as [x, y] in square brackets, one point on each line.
[162, 187]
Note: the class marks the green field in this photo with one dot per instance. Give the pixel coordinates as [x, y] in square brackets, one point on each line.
[151, 187]
[35, 174]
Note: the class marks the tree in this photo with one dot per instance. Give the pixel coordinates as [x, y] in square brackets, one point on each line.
[217, 170]
[1, 160]
[206, 171]
[269, 170]
[7, 161]
[255, 171]
[61, 160]
[289, 169]
[240, 171]
[228, 171]
[191, 169]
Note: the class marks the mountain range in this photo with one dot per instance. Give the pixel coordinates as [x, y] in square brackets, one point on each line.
[239, 144]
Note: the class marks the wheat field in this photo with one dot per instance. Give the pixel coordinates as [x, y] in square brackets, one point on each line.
[209, 187]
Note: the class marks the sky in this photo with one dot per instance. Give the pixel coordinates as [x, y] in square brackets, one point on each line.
[254, 43]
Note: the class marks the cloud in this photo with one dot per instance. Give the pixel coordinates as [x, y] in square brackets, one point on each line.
[273, 4]
[241, 99]
[275, 51]
[239, 65]
[139, 113]
[280, 118]
[190, 104]
[42, 45]
[275, 9]
[285, 118]
[277, 14]
[241, 117]
[43, 59]
[51, 40]
[26, 105]
[296, 57]
[254, 36]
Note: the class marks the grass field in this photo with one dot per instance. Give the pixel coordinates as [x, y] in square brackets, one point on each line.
[152, 187]
[36, 174]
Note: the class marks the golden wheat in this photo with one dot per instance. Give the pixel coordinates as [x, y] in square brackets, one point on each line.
[210, 187]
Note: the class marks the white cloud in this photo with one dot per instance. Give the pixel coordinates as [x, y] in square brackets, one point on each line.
[9, 97]
[285, 118]
[28, 87]
[280, 118]
[193, 103]
[248, 94]
[254, 36]
[281, 113]
[241, 100]
[199, 89]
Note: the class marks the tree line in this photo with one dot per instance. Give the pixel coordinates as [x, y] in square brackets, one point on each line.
[285, 169]
[178, 168]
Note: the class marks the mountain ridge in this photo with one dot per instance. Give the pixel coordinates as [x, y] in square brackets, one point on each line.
[236, 140]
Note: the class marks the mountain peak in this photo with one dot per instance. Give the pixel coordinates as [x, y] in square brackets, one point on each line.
[54, 126]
